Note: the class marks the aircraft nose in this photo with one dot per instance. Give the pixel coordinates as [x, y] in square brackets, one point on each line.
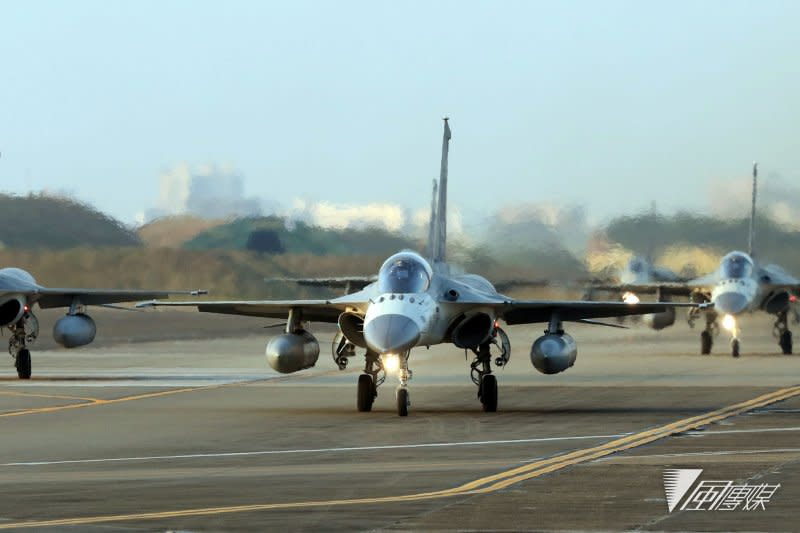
[391, 333]
[730, 303]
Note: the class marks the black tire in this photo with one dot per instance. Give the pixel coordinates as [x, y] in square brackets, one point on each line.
[489, 393]
[706, 342]
[735, 347]
[366, 393]
[786, 342]
[23, 364]
[402, 401]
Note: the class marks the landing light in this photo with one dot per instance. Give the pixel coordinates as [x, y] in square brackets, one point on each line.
[630, 298]
[729, 322]
[391, 363]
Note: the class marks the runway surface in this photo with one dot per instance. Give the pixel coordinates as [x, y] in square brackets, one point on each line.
[200, 435]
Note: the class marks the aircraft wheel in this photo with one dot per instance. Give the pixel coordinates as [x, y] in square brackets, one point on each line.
[735, 347]
[706, 341]
[403, 401]
[23, 364]
[489, 393]
[366, 393]
[786, 342]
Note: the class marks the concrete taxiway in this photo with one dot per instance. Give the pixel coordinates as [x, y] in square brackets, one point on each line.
[200, 435]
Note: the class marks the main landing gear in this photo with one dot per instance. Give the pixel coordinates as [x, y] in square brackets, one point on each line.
[23, 332]
[481, 368]
[782, 333]
[368, 382]
[735, 347]
[481, 374]
[707, 335]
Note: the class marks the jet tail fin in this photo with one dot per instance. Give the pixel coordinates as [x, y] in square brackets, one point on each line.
[432, 223]
[438, 229]
[751, 240]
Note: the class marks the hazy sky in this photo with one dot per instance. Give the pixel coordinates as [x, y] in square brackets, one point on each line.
[608, 104]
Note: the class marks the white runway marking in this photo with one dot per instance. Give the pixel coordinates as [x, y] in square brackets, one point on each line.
[313, 450]
[727, 431]
[139, 378]
[700, 454]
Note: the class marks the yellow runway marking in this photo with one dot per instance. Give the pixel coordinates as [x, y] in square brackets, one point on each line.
[482, 485]
[57, 396]
[92, 402]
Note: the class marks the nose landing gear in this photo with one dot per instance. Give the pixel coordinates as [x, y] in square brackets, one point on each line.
[374, 375]
[402, 396]
[735, 344]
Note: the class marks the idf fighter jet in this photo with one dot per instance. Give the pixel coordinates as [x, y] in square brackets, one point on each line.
[422, 302]
[740, 285]
[640, 271]
[19, 292]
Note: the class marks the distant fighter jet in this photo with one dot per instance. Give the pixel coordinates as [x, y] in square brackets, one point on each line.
[640, 271]
[19, 292]
[740, 285]
[417, 302]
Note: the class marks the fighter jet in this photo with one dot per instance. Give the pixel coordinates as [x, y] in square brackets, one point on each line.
[638, 272]
[19, 293]
[740, 285]
[418, 302]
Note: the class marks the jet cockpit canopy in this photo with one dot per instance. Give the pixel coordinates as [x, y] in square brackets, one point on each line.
[403, 273]
[737, 265]
[636, 265]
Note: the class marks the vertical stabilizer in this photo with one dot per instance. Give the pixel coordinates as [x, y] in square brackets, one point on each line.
[751, 241]
[440, 221]
[432, 224]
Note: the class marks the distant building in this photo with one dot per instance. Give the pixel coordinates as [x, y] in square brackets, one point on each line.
[328, 215]
[207, 191]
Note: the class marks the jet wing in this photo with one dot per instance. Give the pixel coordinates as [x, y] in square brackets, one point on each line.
[506, 285]
[357, 283]
[533, 311]
[49, 298]
[778, 278]
[313, 310]
[673, 289]
[354, 283]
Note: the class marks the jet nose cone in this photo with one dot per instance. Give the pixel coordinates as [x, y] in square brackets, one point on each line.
[730, 303]
[391, 333]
